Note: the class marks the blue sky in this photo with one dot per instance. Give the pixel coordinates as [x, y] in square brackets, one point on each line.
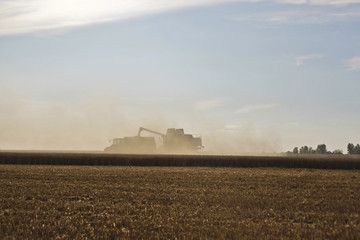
[249, 76]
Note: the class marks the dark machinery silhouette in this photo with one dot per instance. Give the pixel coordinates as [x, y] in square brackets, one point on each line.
[174, 141]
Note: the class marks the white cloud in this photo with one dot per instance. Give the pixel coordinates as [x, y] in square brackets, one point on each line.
[207, 104]
[24, 16]
[319, 2]
[230, 127]
[353, 63]
[255, 107]
[301, 17]
[299, 60]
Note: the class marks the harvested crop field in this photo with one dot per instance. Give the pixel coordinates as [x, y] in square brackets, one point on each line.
[316, 161]
[178, 202]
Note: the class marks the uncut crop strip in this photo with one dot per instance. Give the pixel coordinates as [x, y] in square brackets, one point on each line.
[314, 161]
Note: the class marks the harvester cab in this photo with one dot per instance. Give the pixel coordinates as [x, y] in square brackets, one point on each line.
[176, 140]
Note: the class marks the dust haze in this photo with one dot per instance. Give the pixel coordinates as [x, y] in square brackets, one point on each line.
[87, 124]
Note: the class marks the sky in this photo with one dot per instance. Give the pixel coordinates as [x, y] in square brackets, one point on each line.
[247, 76]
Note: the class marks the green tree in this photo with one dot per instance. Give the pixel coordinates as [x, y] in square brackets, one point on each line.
[350, 148]
[304, 150]
[311, 150]
[338, 151]
[321, 149]
[296, 150]
[357, 149]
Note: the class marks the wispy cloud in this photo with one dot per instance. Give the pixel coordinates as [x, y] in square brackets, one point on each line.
[251, 108]
[24, 16]
[230, 127]
[298, 17]
[353, 64]
[208, 104]
[319, 2]
[299, 60]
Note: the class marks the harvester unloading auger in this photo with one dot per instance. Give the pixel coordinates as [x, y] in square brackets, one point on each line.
[174, 141]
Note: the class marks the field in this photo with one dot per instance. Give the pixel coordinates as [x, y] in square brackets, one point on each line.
[86, 202]
[101, 158]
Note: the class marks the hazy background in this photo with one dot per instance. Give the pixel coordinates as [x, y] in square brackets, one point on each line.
[248, 76]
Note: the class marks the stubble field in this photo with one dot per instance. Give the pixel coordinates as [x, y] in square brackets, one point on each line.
[83, 202]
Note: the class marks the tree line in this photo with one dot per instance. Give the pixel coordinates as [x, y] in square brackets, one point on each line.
[353, 149]
[321, 149]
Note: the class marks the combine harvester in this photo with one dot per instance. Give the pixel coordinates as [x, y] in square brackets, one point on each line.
[174, 141]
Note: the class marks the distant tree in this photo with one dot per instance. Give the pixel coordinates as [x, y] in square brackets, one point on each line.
[350, 148]
[321, 149]
[338, 151]
[296, 150]
[304, 150]
[311, 150]
[357, 149]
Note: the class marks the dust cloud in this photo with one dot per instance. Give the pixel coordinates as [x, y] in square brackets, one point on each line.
[88, 124]
[242, 140]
